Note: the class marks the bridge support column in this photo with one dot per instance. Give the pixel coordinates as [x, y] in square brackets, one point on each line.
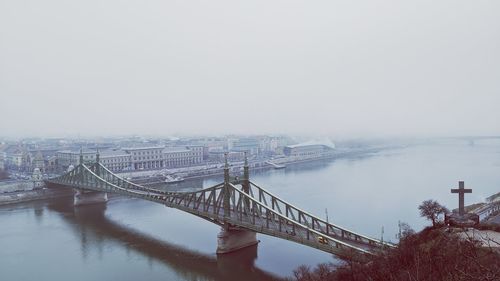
[230, 240]
[83, 197]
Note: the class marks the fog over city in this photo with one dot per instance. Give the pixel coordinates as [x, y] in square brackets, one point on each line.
[326, 68]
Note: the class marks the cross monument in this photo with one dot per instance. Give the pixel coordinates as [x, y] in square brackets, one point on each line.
[461, 191]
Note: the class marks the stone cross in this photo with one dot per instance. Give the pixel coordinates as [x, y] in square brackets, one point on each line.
[461, 191]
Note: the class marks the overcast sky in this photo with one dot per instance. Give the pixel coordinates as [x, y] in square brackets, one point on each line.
[339, 68]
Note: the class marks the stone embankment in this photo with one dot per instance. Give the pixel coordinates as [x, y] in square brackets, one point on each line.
[237, 167]
[35, 194]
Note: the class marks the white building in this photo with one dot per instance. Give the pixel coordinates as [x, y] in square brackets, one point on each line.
[158, 157]
[310, 149]
[145, 158]
[183, 156]
[135, 158]
[65, 158]
[115, 160]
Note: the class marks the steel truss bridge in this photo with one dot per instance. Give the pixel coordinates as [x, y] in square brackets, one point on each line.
[236, 204]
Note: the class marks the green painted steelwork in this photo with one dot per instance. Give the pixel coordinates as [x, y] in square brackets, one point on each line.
[249, 207]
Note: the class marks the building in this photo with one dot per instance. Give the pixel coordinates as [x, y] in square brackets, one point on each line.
[51, 164]
[135, 158]
[183, 156]
[18, 158]
[232, 156]
[250, 145]
[65, 158]
[310, 149]
[145, 158]
[38, 162]
[115, 160]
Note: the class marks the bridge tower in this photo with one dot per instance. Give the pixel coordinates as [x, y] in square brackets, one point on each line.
[227, 189]
[85, 197]
[246, 176]
[231, 238]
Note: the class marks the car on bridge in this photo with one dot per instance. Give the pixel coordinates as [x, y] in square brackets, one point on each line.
[322, 240]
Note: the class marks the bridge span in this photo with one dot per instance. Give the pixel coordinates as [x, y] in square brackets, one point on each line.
[241, 207]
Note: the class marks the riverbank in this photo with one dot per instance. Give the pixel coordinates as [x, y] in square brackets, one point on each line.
[435, 253]
[32, 195]
[236, 168]
[197, 172]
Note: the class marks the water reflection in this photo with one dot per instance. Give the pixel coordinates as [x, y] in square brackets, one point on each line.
[93, 228]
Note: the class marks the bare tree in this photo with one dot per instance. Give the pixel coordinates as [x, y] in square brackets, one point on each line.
[431, 210]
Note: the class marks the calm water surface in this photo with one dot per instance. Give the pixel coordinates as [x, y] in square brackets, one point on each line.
[131, 239]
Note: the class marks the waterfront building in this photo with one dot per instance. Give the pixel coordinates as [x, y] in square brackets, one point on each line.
[197, 153]
[26, 184]
[37, 178]
[145, 158]
[183, 156]
[115, 160]
[135, 158]
[310, 149]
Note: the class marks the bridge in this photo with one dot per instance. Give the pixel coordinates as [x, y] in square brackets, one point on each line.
[241, 207]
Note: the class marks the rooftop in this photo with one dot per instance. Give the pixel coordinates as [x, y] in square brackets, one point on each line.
[175, 149]
[102, 153]
[143, 147]
[328, 144]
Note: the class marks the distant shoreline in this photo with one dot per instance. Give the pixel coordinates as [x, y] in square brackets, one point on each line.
[33, 195]
[50, 193]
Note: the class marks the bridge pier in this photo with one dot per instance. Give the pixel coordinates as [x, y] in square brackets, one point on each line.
[84, 197]
[230, 240]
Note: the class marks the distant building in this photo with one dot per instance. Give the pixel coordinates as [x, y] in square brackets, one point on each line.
[232, 156]
[18, 158]
[15, 160]
[51, 164]
[65, 158]
[38, 162]
[250, 145]
[145, 158]
[308, 149]
[37, 178]
[183, 156]
[115, 160]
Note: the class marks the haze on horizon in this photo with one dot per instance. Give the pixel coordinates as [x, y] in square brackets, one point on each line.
[338, 68]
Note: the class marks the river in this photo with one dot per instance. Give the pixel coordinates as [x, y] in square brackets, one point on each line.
[132, 239]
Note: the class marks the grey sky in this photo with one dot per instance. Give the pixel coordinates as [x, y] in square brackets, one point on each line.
[302, 67]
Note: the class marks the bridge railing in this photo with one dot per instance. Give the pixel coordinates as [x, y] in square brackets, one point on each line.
[249, 210]
[292, 212]
[78, 176]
